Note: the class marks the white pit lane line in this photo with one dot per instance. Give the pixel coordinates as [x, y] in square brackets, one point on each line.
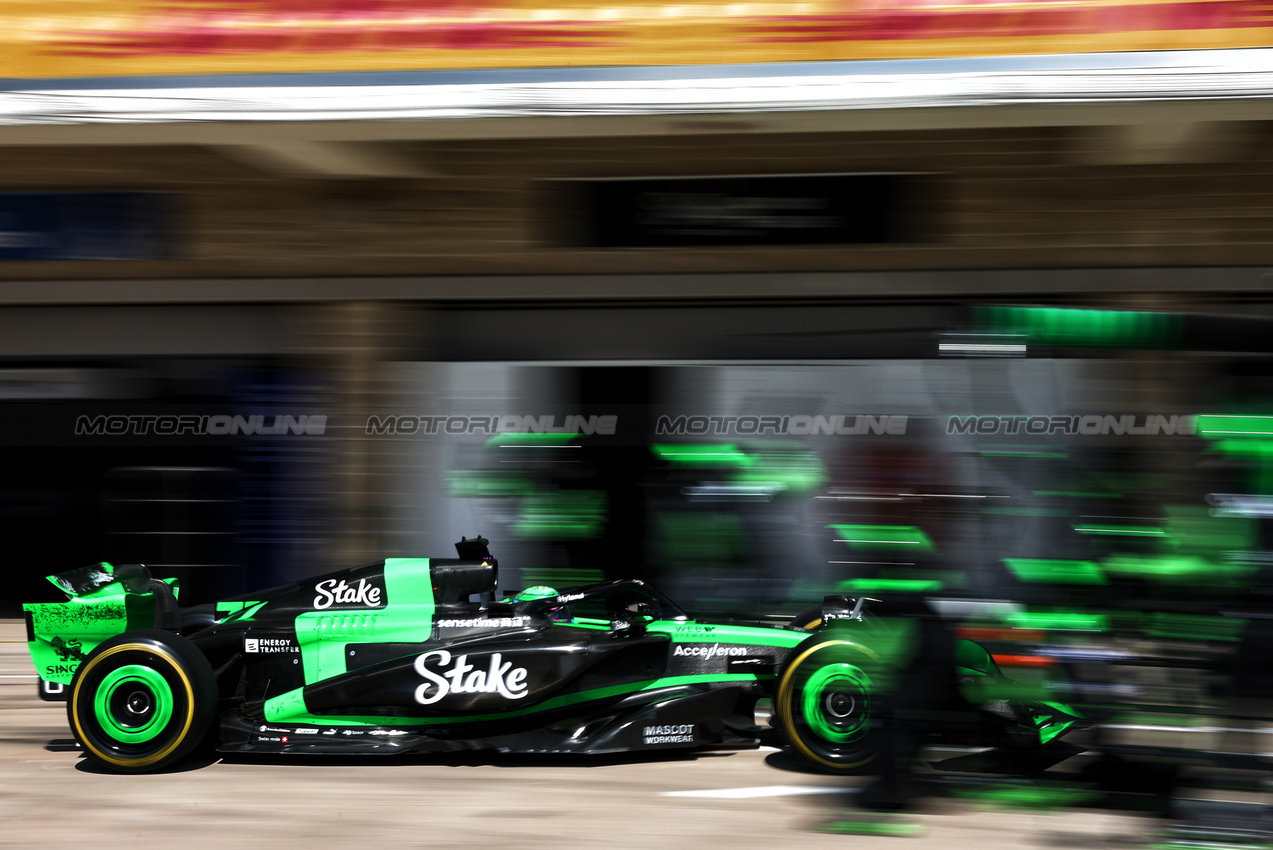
[755, 792]
[1140, 727]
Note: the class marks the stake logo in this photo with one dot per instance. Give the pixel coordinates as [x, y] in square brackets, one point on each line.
[463, 678]
[338, 593]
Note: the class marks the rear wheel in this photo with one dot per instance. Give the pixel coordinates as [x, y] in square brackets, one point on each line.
[824, 703]
[142, 701]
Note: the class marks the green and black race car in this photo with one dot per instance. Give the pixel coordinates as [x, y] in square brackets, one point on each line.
[418, 655]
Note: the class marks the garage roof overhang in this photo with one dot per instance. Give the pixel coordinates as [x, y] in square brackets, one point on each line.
[333, 124]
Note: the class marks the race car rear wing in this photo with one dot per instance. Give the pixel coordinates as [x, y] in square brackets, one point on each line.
[102, 601]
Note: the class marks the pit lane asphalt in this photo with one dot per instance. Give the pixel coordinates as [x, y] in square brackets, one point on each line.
[51, 797]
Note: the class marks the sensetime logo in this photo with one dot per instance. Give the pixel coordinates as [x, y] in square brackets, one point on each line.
[1091, 425]
[130, 425]
[793, 425]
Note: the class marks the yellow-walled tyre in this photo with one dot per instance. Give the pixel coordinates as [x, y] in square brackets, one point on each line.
[142, 701]
[825, 703]
[808, 620]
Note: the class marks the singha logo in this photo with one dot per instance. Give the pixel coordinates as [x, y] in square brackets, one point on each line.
[67, 650]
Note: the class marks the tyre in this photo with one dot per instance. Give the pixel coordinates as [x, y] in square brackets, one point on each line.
[824, 703]
[142, 701]
[808, 620]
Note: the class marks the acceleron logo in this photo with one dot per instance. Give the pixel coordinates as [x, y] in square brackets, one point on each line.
[709, 651]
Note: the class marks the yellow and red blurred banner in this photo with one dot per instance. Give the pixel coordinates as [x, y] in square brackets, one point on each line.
[106, 38]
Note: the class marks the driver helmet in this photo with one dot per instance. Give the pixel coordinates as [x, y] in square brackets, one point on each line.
[543, 591]
[539, 591]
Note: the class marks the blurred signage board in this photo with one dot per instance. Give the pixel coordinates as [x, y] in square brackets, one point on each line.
[817, 209]
[105, 38]
[85, 226]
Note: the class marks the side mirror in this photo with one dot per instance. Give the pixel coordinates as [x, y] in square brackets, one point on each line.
[844, 608]
[860, 605]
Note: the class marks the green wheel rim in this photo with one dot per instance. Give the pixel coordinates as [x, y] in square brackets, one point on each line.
[835, 703]
[133, 704]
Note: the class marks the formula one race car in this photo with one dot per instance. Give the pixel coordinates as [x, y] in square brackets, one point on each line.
[418, 655]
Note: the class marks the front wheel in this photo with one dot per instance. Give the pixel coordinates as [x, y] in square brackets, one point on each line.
[142, 701]
[824, 703]
[808, 620]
